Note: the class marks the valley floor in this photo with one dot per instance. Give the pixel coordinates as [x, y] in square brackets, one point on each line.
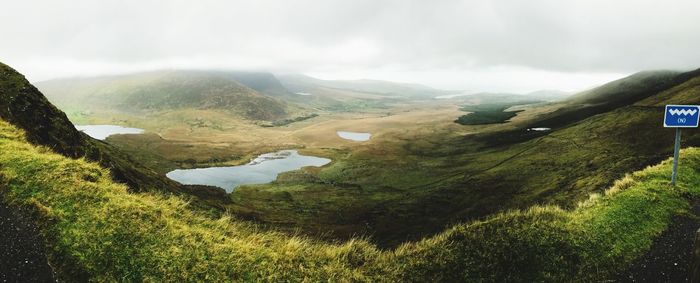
[419, 173]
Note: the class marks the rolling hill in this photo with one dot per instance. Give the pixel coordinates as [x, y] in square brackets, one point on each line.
[263, 82]
[166, 90]
[612, 95]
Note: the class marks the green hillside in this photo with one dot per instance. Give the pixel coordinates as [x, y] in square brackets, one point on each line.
[627, 88]
[612, 95]
[163, 90]
[25, 107]
[96, 229]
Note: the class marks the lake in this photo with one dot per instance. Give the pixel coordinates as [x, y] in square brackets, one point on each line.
[263, 169]
[101, 132]
[354, 136]
[450, 96]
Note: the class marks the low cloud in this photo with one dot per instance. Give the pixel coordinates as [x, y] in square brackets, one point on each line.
[479, 45]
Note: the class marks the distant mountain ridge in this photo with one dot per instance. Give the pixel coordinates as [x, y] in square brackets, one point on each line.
[163, 90]
[498, 97]
[301, 83]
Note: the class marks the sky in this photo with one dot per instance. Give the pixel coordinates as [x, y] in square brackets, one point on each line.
[475, 45]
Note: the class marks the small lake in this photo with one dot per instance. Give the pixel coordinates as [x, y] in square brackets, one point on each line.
[303, 93]
[450, 96]
[263, 169]
[354, 136]
[101, 132]
[539, 129]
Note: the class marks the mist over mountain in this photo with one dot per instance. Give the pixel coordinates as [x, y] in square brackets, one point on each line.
[164, 90]
[349, 141]
[302, 83]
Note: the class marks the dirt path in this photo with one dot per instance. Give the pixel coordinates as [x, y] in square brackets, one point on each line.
[671, 255]
[22, 257]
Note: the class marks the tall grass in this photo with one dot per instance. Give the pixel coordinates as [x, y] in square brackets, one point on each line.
[95, 228]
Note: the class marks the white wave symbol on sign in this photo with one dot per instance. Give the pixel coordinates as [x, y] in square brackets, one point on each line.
[684, 112]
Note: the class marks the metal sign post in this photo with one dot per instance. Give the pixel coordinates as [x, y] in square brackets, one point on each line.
[676, 152]
[680, 116]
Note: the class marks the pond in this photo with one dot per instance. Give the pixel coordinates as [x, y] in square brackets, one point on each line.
[354, 136]
[101, 132]
[263, 169]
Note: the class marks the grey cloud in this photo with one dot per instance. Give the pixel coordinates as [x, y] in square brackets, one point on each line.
[578, 36]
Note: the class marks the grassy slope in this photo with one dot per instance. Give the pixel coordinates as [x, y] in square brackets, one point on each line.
[612, 95]
[24, 106]
[97, 229]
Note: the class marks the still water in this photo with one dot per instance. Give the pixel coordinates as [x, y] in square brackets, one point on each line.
[101, 132]
[263, 169]
[354, 136]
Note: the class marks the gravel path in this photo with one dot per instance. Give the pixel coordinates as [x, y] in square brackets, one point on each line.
[671, 255]
[22, 257]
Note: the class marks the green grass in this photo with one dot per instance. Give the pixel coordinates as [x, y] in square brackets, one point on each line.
[95, 228]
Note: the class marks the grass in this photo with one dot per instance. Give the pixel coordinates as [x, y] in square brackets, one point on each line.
[97, 229]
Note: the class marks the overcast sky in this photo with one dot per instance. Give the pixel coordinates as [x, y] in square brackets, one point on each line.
[479, 45]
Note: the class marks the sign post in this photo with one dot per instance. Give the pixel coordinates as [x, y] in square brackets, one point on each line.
[680, 116]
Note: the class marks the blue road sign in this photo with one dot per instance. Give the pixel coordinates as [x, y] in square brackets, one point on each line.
[681, 116]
